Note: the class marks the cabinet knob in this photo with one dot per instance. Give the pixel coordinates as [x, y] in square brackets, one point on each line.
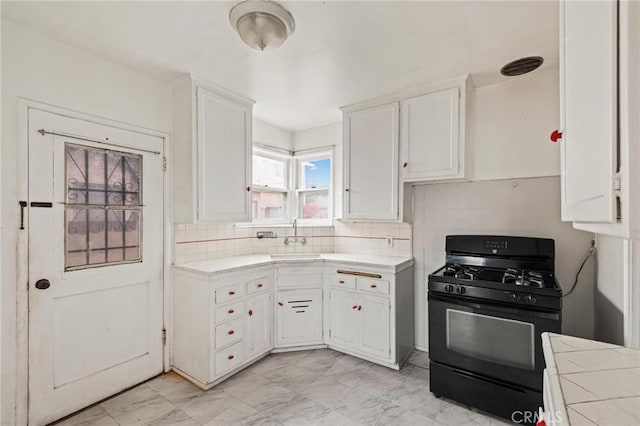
[230, 357]
[556, 135]
[354, 307]
[230, 332]
[346, 190]
[230, 311]
[250, 312]
[359, 307]
[373, 286]
[248, 188]
[260, 285]
[341, 282]
[405, 164]
[279, 303]
[231, 293]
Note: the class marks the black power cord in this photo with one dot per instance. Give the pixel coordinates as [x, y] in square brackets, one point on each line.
[590, 253]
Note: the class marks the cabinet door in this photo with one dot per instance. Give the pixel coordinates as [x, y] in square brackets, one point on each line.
[259, 322]
[344, 318]
[430, 136]
[299, 317]
[375, 329]
[371, 163]
[224, 158]
[588, 94]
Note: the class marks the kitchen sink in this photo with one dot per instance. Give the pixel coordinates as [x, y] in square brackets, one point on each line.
[295, 256]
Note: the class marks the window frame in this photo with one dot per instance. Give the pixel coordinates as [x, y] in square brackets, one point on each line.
[300, 158]
[274, 154]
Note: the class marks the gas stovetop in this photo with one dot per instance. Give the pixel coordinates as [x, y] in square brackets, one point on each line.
[508, 270]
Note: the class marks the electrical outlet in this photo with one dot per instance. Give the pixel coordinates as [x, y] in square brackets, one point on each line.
[265, 234]
[389, 241]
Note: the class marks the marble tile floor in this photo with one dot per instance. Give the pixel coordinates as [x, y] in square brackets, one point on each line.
[319, 387]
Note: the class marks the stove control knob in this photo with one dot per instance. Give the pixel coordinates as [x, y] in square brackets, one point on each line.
[530, 300]
[513, 297]
[448, 288]
[461, 290]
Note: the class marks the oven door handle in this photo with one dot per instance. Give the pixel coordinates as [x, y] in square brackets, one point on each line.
[492, 307]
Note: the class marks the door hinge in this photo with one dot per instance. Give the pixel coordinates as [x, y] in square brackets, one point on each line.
[617, 184]
[329, 332]
[164, 336]
[164, 164]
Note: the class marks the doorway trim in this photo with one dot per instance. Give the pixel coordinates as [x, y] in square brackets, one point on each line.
[22, 294]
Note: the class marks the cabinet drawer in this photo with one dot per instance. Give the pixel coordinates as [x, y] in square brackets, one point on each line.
[343, 281]
[300, 280]
[227, 312]
[229, 332]
[229, 293]
[373, 285]
[259, 284]
[229, 358]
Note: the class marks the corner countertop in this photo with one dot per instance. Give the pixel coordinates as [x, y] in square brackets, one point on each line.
[595, 383]
[228, 264]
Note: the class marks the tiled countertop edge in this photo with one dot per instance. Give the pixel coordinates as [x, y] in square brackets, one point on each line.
[556, 395]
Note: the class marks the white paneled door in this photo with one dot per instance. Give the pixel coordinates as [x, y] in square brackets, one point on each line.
[95, 224]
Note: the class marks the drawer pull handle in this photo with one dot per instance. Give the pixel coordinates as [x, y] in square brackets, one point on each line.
[279, 303]
[341, 282]
[231, 293]
[405, 164]
[231, 332]
[230, 311]
[250, 312]
[230, 357]
[354, 307]
[373, 286]
[359, 307]
[260, 285]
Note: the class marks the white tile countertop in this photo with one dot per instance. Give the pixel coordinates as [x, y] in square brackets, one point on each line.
[591, 383]
[227, 264]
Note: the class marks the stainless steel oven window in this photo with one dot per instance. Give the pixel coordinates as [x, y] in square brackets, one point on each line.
[484, 337]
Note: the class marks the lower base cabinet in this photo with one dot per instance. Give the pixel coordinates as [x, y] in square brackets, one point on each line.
[299, 315]
[259, 320]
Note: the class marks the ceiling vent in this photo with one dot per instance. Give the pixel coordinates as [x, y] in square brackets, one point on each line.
[521, 66]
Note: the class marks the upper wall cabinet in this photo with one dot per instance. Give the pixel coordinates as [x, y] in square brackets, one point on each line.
[212, 153]
[599, 95]
[408, 137]
[432, 141]
[371, 163]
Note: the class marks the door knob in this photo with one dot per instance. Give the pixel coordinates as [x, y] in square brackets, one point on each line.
[43, 284]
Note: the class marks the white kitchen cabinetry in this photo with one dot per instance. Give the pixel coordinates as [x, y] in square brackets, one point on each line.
[212, 153]
[221, 323]
[433, 135]
[600, 96]
[372, 319]
[371, 163]
[299, 312]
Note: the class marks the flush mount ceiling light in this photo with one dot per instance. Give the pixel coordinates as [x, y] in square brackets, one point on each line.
[262, 24]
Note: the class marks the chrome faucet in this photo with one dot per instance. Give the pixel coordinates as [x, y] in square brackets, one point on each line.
[295, 239]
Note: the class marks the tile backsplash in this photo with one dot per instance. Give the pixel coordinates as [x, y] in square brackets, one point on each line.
[195, 243]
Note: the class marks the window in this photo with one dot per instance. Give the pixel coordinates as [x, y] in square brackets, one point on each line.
[314, 187]
[271, 187]
[103, 211]
[292, 185]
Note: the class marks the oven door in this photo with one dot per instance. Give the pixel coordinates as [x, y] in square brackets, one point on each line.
[491, 340]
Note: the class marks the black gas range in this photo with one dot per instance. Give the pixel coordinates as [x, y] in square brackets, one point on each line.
[488, 307]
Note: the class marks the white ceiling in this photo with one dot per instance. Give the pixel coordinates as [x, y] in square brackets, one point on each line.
[341, 52]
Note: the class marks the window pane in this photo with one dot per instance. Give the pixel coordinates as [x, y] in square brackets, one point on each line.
[316, 174]
[269, 205]
[269, 172]
[314, 205]
[97, 231]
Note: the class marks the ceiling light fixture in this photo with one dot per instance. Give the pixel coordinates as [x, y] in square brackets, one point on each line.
[262, 24]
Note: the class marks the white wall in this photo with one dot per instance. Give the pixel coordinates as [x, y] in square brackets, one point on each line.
[520, 207]
[609, 292]
[268, 134]
[320, 137]
[509, 126]
[43, 70]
